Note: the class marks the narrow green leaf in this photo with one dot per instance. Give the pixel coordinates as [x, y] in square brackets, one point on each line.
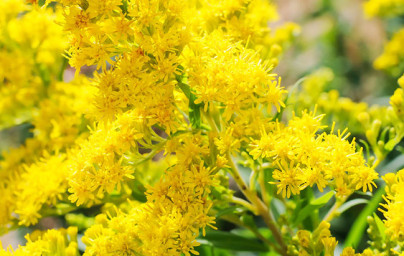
[226, 240]
[322, 200]
[312, 206]
[392, 165]
[277, 207]
[356, 233]
[209, 250]
[185, 89]
[380, 226]
[229, 210]
[194, 112]
[204, 250]
[124, 7]
[352, 203]
[248, 220]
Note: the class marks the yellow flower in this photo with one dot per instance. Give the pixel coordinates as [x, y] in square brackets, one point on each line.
[289, 179]
[394, 206]
[51, 242]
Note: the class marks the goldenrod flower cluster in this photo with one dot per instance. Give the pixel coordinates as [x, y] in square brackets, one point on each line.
[51, 242]
[304, 158]
[384, 7]
[393, 54]
[312, 243]
[183, 93]
[28, 55]
[394, 205]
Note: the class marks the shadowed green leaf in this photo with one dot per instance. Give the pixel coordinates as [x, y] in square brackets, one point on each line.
[226, 240]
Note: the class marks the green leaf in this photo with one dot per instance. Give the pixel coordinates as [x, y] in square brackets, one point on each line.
[277, 207]
[229, 210]
[352, 203]
[124, 7]
[184, 88]
[356, 233]
[194, 112]
[312, 206]
[391, 166]
[248, 220]
[380, 226]
[321, 201]
[226, 240]
[208, 250]
[400, 149]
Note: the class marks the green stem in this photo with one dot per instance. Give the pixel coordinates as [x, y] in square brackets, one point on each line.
[152, 153]
[211, 122]
[244, 203]
[237, 222]
[261, 182]
[262, 209]
[252, 196]
[62, 69]
[253, 178]
[333, 212]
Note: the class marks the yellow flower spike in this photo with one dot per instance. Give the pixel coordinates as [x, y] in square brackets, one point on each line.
[348, 251]
[51, 242]
[393, 54]
[397, 102]
[329, 245]
[72, 249]
[289, 178]
[394, 205]
[304, 238]
[383, 7]
[227, 143]
[155, 58]
[373, 133]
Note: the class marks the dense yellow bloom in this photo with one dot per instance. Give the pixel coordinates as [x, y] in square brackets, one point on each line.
[290, 181]
[397, 102]
[151, 54]
[34, 176]
[97, 164]
[227, 142]
[248, 82]
[313, 243]
[384, 7]
[394, 205]
[189, 84]
[313, 91]
[323, 159]
[167, 224]
[31, 45]
[52, 242]
[393, 53]
[41, 183]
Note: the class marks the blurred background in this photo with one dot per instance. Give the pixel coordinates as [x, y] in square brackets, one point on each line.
[337, 35]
